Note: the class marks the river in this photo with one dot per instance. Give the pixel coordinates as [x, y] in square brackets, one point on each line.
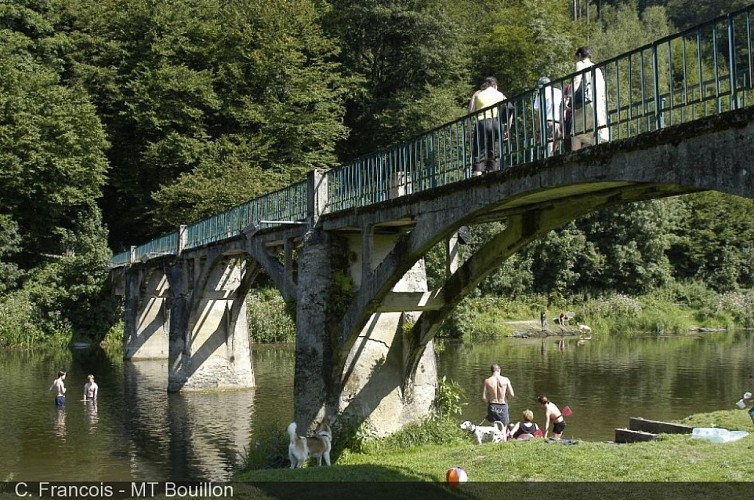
[136, 431]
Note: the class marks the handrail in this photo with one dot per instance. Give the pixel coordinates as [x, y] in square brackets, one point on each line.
[699, 72]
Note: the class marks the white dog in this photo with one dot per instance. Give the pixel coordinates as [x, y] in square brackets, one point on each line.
[317, 446]
[585, 330]
[495, 432]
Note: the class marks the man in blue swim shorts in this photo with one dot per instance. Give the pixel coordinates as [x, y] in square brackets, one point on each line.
[496, 392]
[58, 388]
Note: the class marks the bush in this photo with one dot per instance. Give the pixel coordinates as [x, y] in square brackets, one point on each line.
[429, 430]
[23, 323]
[740, 305]
[450, 398]
[269, 317]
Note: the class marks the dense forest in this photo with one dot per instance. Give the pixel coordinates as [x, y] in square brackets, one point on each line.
[121, 119]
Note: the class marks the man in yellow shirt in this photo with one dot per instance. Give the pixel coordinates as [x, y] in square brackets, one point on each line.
[488, 131]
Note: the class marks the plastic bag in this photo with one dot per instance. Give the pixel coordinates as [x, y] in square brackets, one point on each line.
[717, 435]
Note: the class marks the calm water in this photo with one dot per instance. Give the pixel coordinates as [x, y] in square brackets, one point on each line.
[138, 432]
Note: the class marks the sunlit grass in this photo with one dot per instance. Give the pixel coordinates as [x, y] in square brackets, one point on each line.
[671, 458]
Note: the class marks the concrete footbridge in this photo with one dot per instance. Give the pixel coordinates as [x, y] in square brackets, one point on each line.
[347, 245]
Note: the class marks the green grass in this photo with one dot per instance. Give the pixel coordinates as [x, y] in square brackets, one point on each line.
[671, 458]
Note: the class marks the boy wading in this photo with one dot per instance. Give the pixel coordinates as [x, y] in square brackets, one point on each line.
[497, 390]
[58, 389]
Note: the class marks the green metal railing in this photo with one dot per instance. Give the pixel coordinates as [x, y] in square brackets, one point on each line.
[700, 72]
[287, 205]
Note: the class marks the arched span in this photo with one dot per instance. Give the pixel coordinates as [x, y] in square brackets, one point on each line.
[147, 313]
[709, 154]
[259, 249]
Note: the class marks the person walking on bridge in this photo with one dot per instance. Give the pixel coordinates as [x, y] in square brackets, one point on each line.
[496, 393]
[487, 131]
[548, 106]
[588, 101]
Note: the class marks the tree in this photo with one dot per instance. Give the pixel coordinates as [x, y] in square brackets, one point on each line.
[520, 41]
[186, 88]
[52, 144]
[633, 241]
[688, 13]
[9, 245]
[715, 243]
[405, 65]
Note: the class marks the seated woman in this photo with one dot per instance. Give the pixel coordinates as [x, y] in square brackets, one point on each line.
[525, 429]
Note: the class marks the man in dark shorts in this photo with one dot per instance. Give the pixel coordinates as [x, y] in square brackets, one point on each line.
[58, 388]
[496, 392]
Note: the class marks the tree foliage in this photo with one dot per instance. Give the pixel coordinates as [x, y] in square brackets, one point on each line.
[404, 65]
[205, 94]
[52, 145]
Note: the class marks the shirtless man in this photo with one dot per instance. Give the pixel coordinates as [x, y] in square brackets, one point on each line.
[58, 388]
[90, 389]
[497, 390]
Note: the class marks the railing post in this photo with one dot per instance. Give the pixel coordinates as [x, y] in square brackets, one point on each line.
[656, 77]
[182, 238]
[318, 196]
[661, 113]
[433, 160]
[732, 63]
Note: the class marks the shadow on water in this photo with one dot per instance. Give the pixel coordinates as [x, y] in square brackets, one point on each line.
[135, 430]
[195, 435]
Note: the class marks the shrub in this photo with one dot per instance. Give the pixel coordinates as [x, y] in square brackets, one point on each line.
[269, 317]
[450, 398]
[429, 430]
[22, 324]
[740, 305]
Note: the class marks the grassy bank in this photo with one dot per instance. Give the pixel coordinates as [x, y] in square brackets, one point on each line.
[672, 311]
[671, 458]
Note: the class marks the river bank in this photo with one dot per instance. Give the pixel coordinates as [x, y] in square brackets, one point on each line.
[679, 312]
[678, 458]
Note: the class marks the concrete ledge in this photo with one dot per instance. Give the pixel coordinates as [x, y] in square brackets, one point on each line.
[657, 427]
[629, 436]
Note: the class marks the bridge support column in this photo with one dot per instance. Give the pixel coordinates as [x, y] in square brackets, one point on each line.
[372, 386]
[209, 335]
[147, 315]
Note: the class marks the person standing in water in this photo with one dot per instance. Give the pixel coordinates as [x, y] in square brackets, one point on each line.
[58, 388]
[90, 389]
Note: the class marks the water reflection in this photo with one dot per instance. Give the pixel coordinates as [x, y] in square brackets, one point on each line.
[91, 414]
[136, 431]
[199, 435]
[59, 423]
